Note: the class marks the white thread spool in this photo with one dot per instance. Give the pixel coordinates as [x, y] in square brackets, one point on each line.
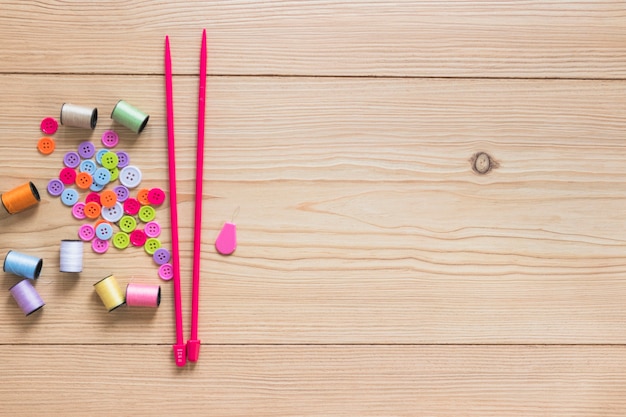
[71, 259]
[79, 116]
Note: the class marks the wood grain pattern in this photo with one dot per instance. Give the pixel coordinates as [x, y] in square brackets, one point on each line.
[324, 380]
[574, 39]
[377, 273]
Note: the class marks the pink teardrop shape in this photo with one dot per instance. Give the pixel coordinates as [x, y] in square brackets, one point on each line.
[226, 241]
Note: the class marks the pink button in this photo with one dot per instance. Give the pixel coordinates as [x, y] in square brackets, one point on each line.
[67, 175]
[156, 196]
[86, 232]
[132, 206]
[110, 139]
[137, 237]
[152, 229]
[49, 125]
[95, 197]
[99, 245]
[166, 272]
[78, 211]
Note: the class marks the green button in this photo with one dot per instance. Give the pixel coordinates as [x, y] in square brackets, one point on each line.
[147, 214]
[128, 224]
[152, 245]
[115, 173]
[110, 160]
[121, 240]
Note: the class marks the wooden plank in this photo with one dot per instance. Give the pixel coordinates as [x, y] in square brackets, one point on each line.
[581, 39]
[360, 219]
[268, 381]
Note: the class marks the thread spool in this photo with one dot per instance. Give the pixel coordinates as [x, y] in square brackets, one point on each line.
[79, 116]
[23, 265]
[71, 256]
[110, 292]
[20, 198]
[129, 116]
[27, 297]
[143, 295]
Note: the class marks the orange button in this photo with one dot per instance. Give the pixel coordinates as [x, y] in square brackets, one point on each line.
[46, 145]
[84, 180]
[92, 210]
[142, 196]
[108, 198]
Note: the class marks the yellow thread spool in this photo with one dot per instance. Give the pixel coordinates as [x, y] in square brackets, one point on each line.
[110, 292]
[20, 198]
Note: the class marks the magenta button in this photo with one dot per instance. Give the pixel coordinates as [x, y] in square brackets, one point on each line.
[78, 211]
[86, 232]
[99, 245]
[156, 196]
[110, 139]
[137, 237]
[152, 229]
[132, 206]
[49, 125]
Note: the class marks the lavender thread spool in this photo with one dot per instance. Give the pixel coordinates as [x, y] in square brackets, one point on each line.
[27, 297]
[23, 265]
[71, 256]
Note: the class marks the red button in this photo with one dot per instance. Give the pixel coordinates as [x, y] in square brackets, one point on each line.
[137, 237]
[156, 196]
[49, 125]
[67, 176]
[132, 206]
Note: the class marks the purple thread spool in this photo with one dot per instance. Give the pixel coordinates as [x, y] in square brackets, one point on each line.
[27, 297]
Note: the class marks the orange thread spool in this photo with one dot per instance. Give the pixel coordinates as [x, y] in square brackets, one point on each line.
[20, 198]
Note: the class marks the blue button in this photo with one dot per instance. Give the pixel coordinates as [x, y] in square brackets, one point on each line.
[99, 155]
[102, 176]
[69, 197]
[88, 166]
[97, 187]
[104, 231]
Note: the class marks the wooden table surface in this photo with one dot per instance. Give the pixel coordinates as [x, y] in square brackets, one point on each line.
[376, 273]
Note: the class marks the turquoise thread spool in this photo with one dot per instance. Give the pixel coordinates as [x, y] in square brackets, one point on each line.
[129, 116]
[23, 265]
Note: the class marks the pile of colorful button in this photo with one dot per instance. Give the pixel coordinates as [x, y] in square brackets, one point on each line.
[120, 218]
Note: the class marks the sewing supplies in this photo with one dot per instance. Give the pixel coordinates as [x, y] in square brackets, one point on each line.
[20, 264]
[27, 297]
[110, 292]
[71, 256]
[179, 347]
[20, 198]
[79, 116]
[143, 295]
[129, 116]
[226, 241]
[193, 344]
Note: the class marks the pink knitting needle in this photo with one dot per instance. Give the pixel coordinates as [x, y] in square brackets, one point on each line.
[193, 344]
[179, 347]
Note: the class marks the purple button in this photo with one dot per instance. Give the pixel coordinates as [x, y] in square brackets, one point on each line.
[161, 256]
[71, 159]
[99, 245]
[86, 150]
[110, 139]
[55, 187]
[152, 229]
[86, 232]
[78, 210]
[166, 272]
[122, 193]
[49, 125]
[123, 159]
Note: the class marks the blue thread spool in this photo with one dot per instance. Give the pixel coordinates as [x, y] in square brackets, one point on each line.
[27, 297]
[23, 265]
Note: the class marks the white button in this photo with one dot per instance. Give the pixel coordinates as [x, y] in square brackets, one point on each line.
[113, 214]
[130, 176]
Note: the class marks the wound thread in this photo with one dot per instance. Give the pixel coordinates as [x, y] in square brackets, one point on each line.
[71, 256]
[143, 295]
[129, 116]
[22, 265]
[110, 292]
[20, 198]
[27, 297]
[79, 116]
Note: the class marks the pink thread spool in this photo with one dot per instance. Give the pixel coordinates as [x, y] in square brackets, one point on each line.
[143, 295]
